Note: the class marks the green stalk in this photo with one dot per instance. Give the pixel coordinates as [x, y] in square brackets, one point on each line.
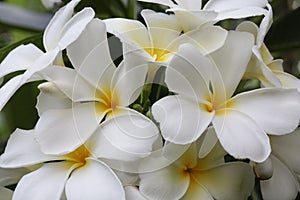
[131, 9]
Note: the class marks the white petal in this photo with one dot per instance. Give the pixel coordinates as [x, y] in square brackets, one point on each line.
[265, 25]
[127, 84]
[248, 26]
[47, 182]
[162, 28]
[62, 131]
[241, 136]
[287, 80]
[286, 147]
[191, 20]
[74, 27]
[20, 58]
[22, 150]
[232, 59]
[129, 31]
[133, 193]
[189, 73]
[6, 194]
[9, 88]
[170, 182]
[282, 185]
[196, 191]
[125, 137]
[221, 5]
[70, 83]
[53, 30]
[93, 181]
[93, 34]
[51, 98]
[207, 39]
[229, 181]
[181, 121]
[241, 13]
[190, 4]
[275, 110]
[11, 176]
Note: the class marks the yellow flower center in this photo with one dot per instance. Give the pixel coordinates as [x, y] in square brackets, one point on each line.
[159, 55]
[79, 155]
[107, 103]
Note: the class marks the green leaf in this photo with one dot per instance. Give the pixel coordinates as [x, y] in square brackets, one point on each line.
[35, 39]
[285, 32]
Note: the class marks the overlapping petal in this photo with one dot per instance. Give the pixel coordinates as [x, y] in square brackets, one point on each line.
[92, 181]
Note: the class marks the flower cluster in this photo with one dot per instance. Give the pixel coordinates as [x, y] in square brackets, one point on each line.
[158, 120]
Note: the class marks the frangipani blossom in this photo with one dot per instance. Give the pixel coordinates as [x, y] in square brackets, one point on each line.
[157, 42]
[61, 31]
[191, 14]
[79, 174]
[95, 89]
[262, 64]
[190, 177]
[205, 85]
[283, 164]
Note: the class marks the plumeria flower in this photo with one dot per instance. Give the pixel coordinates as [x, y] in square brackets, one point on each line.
[160, 39]
[95, 89]
[191, 177]
[191, 14]
[205, 86]
[80, 173]
[283, 164]
[61, 31]
[262, 64]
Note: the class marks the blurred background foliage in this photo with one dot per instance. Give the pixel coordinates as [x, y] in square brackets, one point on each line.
[23, 21]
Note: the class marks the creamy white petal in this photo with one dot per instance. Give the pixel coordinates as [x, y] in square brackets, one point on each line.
[74, 27]
[171, 182]
[20, 58]
[196, 191]
[286, 147]
[93, 34]
[189, 4]
[181, 121]
[6, 194]
[126, 137]
[127, 84]
[189, 73]
[241, 136]
[282, 185]
[265, 25]
[133, 193]
[232, 181]
[207, 39]
[70, 83]
[232, 59]
[275, 110]
[241, 13]
[163, 28]
[129, 31]
[221, 5]
[287, 80]
[61, 131]
[51, 97]
[11, 176]
[9, 88]
[47, 182]
[22, 150]
[53, 30]
[93, 181]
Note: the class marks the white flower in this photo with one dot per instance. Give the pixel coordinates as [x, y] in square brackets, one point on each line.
[157, 42]
[262, 64]
[205, 85]
[61, 31]
[190, 177]
[49, 4]
[79, 173]
[191, 14]
[283, 164]
[95, 89]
